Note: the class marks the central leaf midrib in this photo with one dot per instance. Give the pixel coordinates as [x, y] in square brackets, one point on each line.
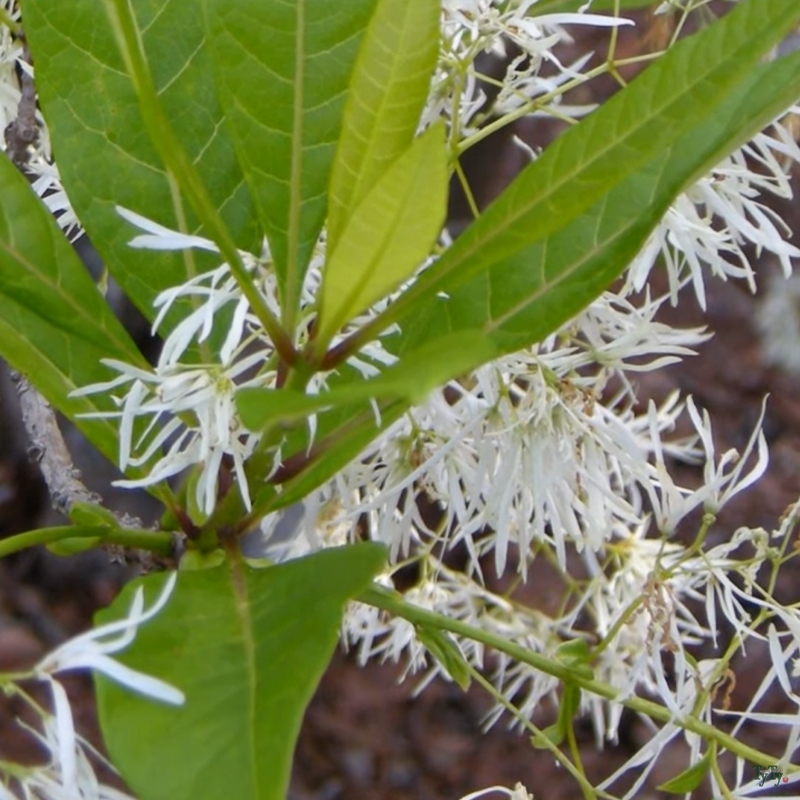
[295, 179]
[242, 610]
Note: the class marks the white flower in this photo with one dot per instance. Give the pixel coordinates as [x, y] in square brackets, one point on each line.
[671, 503]
[200, 423]
[93, 650]
[519, 792]
[473, 29]
[711, 223]
[191, 407]
[56, 781]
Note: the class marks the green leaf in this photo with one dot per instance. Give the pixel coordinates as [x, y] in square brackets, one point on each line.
[577, 656]
[81, 513]
[411, 379]
[72, 545]
[567, 709]
[551, 735]
[388, 235]
[625, 137]
[347, 440]
[689, 779]
[247, 647]
[200, 560]
[283, 69]
[444, 649]
[54, 324]
[104, 154]
[523, 297]
[388, 91]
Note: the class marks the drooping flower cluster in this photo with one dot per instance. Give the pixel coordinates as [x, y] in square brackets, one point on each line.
[723, 213]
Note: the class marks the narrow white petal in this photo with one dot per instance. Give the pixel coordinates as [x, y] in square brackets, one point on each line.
[137, 681]
[65, 728]
[162, 238]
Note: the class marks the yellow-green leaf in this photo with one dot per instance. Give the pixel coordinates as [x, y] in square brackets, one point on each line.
[444, 649]
[388, 91]
[389, 235]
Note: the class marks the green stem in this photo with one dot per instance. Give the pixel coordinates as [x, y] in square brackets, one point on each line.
[159, 542]
[382, 598]
[717, 772]
[462, 179]
[12, 25]
[539, 737]
[540, 102]
[177, 161]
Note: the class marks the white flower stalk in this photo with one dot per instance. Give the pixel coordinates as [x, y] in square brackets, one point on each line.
[523, 449]
[647, 615]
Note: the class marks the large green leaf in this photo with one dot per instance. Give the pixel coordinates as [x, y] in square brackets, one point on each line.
[104, 154]
[523, 297]
[247, 647]
[388, 91]
[620, 139]
[54, 324]
[388, 235]
[283, 68]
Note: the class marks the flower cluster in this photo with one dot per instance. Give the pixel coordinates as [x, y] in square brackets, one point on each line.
[191, 405]
[545, 456]
[494, 63]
